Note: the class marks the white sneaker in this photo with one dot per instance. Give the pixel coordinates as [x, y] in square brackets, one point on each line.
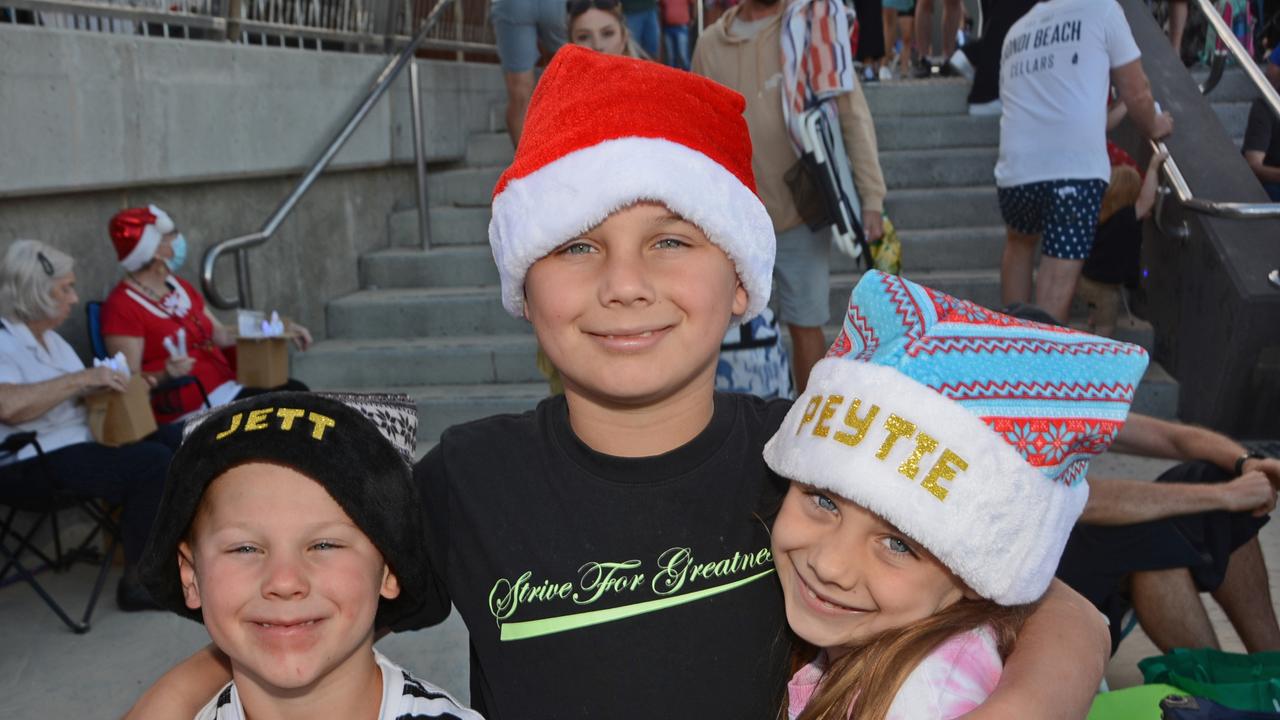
[960, 63]
[987, 108]
[886, 73]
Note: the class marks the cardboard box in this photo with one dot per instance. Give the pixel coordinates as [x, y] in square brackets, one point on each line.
[262, 362]
[118, 418]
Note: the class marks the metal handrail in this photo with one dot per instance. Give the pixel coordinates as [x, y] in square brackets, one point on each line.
[240, 245]
[1235, 210]
[1178, 186]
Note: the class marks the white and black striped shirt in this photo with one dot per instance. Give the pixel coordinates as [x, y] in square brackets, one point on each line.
[404, 697]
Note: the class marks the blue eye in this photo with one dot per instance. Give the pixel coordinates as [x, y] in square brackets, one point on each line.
[325, 545]
[577, 248]
[898, 546]
[243, 550]
[824, 502]
[671, 242]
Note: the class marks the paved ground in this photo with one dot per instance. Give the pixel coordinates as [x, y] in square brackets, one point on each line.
[45, 671]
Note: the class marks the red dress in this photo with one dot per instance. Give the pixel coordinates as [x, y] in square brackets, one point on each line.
[131, 313]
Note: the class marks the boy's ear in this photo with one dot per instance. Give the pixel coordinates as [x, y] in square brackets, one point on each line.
[740, 299]
[187, 574]
[390, 584]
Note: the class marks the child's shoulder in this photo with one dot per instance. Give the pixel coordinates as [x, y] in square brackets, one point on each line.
[407, 696]
[954, 679]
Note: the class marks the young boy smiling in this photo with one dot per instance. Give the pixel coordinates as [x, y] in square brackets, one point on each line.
[609, 551]
[279, 529]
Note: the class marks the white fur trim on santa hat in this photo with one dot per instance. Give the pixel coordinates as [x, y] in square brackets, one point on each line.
[142, 253]
[998, 523]
[537, 213]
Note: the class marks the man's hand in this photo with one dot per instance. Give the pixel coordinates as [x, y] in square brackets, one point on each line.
[1267, 466]
[872, 225]
[1161, 126]
[1251, 492]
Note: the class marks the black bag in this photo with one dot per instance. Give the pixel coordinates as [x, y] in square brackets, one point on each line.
[1178, 707]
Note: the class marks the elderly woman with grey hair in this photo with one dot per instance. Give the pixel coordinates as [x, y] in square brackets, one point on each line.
[41, 384]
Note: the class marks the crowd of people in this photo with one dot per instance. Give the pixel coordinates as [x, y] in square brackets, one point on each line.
[641, 542]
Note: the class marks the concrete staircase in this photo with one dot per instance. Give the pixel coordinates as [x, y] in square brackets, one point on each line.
[1231, 100]
[429, 323]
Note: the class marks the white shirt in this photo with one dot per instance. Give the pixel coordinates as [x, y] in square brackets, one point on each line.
[403, 696]
[1055, 72]
[24, 361]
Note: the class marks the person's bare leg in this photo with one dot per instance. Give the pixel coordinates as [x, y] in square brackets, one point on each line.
[519, 92]
[889, 18]
[1056, 284]
[1169, 609]
[808, 345]
[1177, 25]
[1016, 266]
[1245, 596]
[924, 27]
[952, 16]
[906, 26]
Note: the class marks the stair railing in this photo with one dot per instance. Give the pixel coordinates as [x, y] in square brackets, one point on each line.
[1177, 184]
[242, 244]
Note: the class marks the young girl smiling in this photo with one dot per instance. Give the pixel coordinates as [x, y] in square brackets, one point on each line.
[937, 465]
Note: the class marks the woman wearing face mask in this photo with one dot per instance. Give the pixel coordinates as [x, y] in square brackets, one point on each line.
[151, 305]
[599, 25]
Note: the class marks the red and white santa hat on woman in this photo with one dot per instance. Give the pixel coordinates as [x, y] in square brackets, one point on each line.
[603, 132]
[136, 233]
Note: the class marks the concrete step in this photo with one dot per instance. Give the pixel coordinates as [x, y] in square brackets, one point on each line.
[442, 406]
[979, 286]
[1157, 394]
[1234, 117]
[492, 149]
[1234, 86]
[449, 226]
[961, 248]
[907, 132]
[938, 96]
[420, 312]
[447, 266]
[466, 187]
[938, 168]
[403, 362]
[934, 208]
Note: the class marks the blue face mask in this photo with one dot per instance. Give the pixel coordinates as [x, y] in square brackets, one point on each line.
[179, 253]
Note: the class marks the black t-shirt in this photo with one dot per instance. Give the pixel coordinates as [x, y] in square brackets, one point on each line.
[1116, 256]
[602, 587]
[1260, 134]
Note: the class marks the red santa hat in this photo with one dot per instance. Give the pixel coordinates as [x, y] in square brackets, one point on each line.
[603, 132]
[136, 233]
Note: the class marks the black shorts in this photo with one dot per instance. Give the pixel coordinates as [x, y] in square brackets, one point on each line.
[1098, 559]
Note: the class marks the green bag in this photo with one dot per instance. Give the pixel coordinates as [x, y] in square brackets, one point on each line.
[1135, 703]
[1238, 681]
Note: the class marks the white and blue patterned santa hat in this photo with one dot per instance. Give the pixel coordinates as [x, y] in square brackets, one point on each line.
[968, 430]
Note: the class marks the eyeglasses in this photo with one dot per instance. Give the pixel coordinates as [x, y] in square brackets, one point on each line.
[44, 263]
[576, 7]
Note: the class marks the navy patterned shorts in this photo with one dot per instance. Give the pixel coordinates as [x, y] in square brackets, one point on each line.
[1063, 212]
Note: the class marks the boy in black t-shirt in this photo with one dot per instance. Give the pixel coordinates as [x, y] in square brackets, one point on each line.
[609, 551]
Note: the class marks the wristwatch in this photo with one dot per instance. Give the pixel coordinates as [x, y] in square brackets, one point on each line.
[1250, 455]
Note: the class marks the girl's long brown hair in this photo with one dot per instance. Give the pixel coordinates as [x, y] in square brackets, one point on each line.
[868, 677]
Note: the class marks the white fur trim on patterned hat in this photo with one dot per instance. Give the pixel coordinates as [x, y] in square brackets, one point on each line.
[535, 214]
[971, 500]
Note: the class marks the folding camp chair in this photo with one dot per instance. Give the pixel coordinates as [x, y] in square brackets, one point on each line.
[166, 396]
[16, 544]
